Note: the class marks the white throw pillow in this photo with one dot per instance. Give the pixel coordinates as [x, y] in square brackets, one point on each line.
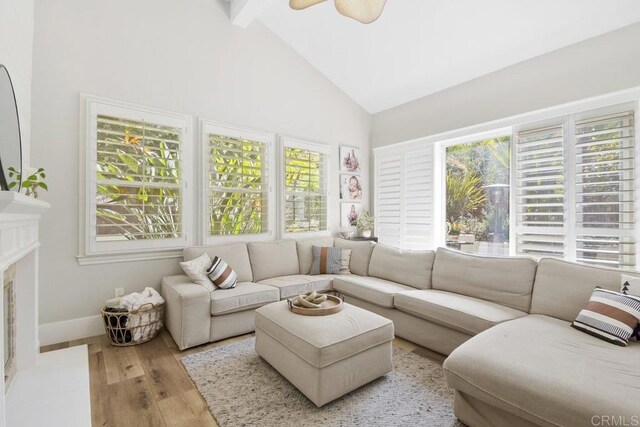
[197, 268]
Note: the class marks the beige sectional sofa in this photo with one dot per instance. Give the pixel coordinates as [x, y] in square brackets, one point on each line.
[514, 359]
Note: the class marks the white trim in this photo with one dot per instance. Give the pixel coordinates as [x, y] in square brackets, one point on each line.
[128, 257]
[68, 330]
[292, 142]
[620, 97]
[108, 251]
[208, 127]
[243, 12]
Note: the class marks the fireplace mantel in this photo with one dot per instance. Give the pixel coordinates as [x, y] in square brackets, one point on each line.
[19, 204]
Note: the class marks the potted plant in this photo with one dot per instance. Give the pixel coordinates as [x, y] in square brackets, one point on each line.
[454, 231]
[365, 224]
[35, 179]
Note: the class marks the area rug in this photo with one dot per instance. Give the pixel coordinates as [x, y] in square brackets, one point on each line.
[241, 389]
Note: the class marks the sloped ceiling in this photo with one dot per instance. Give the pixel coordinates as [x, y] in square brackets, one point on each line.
[419, 47]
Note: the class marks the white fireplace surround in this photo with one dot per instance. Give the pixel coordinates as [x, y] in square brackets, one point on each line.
[19, 218]
[25, 400]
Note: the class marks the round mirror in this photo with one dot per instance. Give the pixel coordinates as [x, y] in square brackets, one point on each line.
[10, 143]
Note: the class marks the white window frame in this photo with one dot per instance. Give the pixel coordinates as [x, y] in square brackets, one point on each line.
[291, 142]
[559, 113]
[92, 251]
[208, 127]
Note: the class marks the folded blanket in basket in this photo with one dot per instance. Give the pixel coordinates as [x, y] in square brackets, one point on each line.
[136, 300]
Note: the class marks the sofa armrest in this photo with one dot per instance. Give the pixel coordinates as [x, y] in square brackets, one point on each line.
[187, 311]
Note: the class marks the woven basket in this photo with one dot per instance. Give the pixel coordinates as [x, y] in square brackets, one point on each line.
[133, 327]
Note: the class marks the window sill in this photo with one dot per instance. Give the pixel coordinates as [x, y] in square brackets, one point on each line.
[111, 258]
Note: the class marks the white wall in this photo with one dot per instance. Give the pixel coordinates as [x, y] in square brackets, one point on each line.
[596, 66]
[175, 55]
[16, 47]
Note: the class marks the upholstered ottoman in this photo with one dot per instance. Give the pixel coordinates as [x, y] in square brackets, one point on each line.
[325, 357]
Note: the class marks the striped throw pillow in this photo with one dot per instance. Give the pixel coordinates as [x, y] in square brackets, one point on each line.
[221, 274]
[610, 316]
[631, 286]
[326, 260]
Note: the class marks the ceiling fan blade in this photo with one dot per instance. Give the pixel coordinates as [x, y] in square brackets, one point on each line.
[365, 11]
[303, 4]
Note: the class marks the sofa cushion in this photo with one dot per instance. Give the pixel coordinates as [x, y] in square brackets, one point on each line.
[244, 296]
[460, 312]
[305, 256]
[371, 289]
[554, 375]
[506, 281]
[236, 255]
[412, 268]
[360, 254]
[273, 259]
[297, 284]
[563, 288]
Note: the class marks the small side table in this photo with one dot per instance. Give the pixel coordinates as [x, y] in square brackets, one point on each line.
[365, 239]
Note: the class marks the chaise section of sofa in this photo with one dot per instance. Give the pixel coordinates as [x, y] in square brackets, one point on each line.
[537, 370]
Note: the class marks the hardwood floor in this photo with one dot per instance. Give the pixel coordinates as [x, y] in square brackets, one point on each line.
[146, 385]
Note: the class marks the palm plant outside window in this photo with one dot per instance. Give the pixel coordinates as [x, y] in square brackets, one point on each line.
[477, 195]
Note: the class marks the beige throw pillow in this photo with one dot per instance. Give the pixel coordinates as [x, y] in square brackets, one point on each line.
[197, 268]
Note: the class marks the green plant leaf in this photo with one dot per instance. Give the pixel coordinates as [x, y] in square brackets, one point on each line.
[43, 185]
[13, 184]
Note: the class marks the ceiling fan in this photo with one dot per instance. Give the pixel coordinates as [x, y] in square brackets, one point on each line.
[365, 11]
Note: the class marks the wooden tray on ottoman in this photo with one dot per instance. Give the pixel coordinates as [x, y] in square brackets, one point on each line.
[332, 305]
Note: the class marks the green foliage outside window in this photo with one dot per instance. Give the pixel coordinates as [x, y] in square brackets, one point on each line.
[138, 180]
[305, 199]
[238, 187]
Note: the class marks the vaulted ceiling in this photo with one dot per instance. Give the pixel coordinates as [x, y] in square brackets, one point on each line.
[419, 47]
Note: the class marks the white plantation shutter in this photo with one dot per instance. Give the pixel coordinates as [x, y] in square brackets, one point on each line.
[136, 195]
[604, 190]
[404, 198]
[305, 187]
[417, 199]
[238, 186]
[540, 195]
[387, 203]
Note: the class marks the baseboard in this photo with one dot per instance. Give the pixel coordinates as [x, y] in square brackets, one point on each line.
[67, 330]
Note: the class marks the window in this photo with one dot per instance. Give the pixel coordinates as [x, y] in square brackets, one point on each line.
[540, 195]
[404, 195]
[238, 182]
[135, 195]
[589, 215]
[562, 185]
[305, 187]
[477, 195]
[604, 190]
